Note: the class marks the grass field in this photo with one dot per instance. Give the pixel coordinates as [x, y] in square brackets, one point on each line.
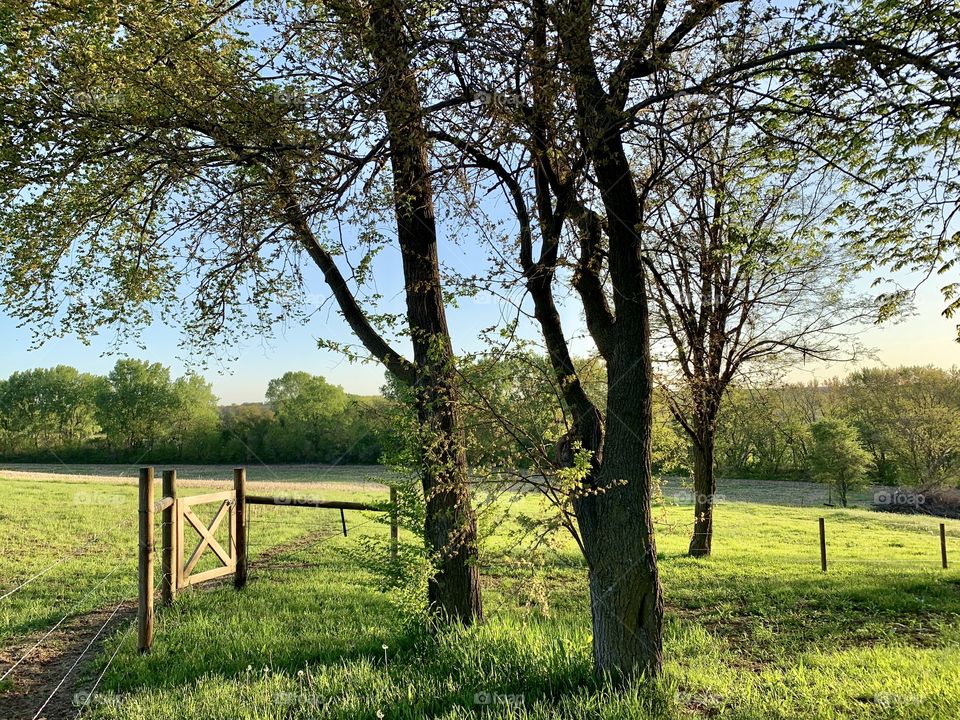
[756, 631]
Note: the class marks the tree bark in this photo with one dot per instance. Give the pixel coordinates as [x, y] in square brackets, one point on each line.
[450, 525]
[614, 515]
[705, 488]
[617, 529]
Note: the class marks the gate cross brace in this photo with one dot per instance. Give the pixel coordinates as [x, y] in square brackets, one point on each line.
[207, 538]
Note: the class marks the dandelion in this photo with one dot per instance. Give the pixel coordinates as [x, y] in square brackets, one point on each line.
[385, 662]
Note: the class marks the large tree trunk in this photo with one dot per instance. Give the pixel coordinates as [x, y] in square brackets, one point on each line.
[704, 488]
[617, 531]
[450, 526]
[613, 507]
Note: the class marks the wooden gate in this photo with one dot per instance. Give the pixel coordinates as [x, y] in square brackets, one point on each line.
[180, 522]
[185, 521]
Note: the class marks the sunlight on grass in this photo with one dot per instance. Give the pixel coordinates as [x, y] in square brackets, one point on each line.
[756, 631]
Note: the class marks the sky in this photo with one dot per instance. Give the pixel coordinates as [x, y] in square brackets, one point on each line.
[923, 338]
[241, 374]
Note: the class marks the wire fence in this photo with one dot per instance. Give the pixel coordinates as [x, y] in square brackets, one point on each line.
[79, 658]
[67, 556]
[846, 547]
[83, 700]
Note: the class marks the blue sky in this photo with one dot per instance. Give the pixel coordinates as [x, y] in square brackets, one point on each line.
[924, 338]
[293, 347]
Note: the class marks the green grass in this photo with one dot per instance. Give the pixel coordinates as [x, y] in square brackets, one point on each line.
[82, 537]
[756, 631]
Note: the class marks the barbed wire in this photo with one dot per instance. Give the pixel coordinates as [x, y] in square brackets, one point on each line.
[80, 657]
[67, 556]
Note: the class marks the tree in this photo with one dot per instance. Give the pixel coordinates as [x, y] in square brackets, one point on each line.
[588, 86]
[450, 524]
[48, 408]
[307, 409]
[147, 148]
[909, 418]
[742, 277]
[765, 432]
[195, 425]
[195, 144]
[244, 431]
[135, 406]
[837, 457]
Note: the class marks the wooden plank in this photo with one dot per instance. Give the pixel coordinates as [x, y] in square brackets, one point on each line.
[232, 534]
[208, 498]
[240, 523]
[145, 563]
[207, 538]
[167, 581]
[305, 502]
[163, 503]
[210, 575]
[178, 534]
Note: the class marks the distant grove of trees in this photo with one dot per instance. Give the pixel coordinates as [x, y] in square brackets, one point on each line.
[902, 423]
[138, 413]
[907, 420]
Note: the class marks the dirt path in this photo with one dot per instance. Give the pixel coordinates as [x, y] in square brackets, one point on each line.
[56, 672]
[52, 672]
[296, 489]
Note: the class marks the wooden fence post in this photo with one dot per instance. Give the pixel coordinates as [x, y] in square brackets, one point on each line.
[823, 547]
[240, 487]
[943, 544]
[168, 583]
[145, 564]
[394, 530]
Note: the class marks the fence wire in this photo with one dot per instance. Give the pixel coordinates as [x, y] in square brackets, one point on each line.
[69, 614]
[67, 556]
[96, 684]
[79, 658]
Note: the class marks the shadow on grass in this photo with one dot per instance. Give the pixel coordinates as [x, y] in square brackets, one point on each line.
[282, 622]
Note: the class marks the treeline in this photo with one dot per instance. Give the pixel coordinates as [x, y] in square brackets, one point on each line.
[907, 419]
[138, 413]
